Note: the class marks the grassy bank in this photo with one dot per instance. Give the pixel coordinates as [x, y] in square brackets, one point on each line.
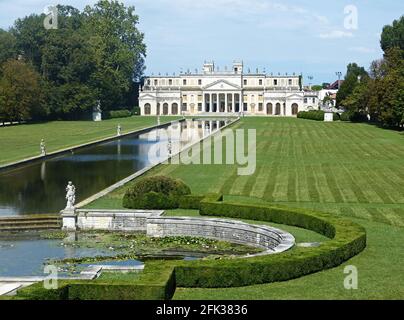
[22, 141]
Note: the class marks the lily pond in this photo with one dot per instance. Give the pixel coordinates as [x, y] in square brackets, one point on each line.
[27, 253]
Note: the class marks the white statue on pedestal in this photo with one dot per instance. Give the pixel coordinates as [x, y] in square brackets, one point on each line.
[42, 147]
[70, 196]
[119, 130]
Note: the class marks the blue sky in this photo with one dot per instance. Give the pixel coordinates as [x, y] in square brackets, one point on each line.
[308, 36]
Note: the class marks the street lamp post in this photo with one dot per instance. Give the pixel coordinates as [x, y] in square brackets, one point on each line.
[339, 75]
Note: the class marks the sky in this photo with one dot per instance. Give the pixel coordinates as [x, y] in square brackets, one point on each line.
[313, 37]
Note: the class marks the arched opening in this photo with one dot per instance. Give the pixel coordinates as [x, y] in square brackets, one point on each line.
[269, 109]
[278, 109]
[147, 109]
[174, 108]
[295, 109]
[165, 109]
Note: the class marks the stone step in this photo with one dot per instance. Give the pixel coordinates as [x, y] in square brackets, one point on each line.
[31, 217]
[31, 222]
[30, 227]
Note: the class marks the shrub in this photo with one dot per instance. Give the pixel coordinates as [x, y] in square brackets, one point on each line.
[119, 114]
[155, 193]
[136, 111]
[317, 115]
[156, 282]
[190, 202]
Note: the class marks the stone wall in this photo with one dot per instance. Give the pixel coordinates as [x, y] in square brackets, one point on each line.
[114, 220]
[154, 224]
[270, 239]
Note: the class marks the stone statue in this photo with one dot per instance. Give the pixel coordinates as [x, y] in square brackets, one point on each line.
[42, 147]
[70, 196]
[119, 130]
[169, 147]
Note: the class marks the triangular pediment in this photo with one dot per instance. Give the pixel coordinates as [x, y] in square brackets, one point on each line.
[147, 96]
[295, 96]
[221, 85]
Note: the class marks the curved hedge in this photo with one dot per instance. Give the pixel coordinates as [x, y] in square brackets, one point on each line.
[159, 280]
[347, 239]
[156, 192]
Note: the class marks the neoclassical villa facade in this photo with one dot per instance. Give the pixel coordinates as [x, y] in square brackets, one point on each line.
[227, 91]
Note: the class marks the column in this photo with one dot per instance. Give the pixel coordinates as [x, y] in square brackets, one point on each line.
[210, 102]
[218, 103]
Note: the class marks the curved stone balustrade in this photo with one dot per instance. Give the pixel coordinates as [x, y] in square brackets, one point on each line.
[272, 240]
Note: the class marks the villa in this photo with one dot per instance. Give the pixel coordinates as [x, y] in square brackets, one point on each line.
[225, 91]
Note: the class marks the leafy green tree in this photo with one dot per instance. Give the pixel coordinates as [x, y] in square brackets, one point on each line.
[393, 35]
[119, 50]
[20, 92]
[8, 48]
[350, 81]
[317, 87]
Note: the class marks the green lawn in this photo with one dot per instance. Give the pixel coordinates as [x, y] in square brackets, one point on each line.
[354, 170]
[22, 141]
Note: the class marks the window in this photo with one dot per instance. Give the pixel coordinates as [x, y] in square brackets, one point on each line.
[148, 82]
[184, 107]
[305, 100]
[314, 100]
[199, 82]
[275, 82]
[155, 82]
[184, 82]
[260, 107]
[245, 82]
[260, 82]
[199, 106]
[245, 107]
[290, 82]
[170, 82]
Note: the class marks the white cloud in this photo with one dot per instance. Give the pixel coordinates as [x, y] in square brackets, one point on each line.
[336, 34]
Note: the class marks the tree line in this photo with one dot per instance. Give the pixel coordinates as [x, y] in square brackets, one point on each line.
[378, 94]
[96, 55]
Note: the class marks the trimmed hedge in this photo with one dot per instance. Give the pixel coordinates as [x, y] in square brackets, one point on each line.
[119, 114]
[347, 240]
[156, 282]
[159, 279]
[156, 192]
[317, 115]
[190, 202]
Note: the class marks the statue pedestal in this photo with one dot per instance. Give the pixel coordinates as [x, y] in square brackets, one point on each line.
[69, 218]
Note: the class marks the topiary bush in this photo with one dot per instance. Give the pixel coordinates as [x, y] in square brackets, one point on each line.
[157, 192]
[119, 114]
[317, 115]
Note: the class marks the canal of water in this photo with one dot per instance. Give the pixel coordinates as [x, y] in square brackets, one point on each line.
[39, 187]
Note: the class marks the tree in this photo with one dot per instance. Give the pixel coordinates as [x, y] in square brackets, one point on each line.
[7, 46]
[20, 92]
[118, 49]
[350, 82]
[393, 35]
